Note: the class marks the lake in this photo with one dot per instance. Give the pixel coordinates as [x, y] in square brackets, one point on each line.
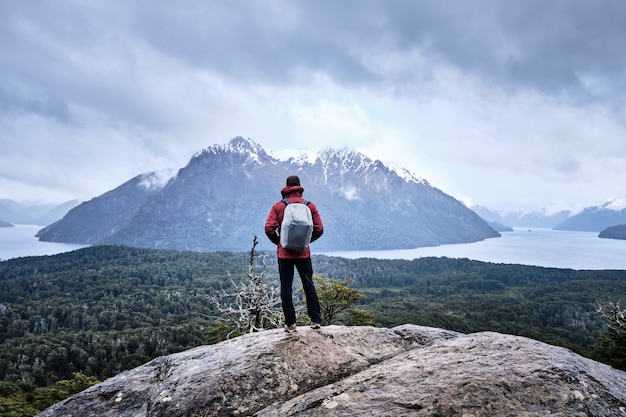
[541, 247]
[21, 241]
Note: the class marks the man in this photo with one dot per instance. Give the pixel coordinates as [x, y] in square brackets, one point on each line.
[288, 259]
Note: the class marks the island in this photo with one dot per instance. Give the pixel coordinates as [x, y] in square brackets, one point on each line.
[614, 232]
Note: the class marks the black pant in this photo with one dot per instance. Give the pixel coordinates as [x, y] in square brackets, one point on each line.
[305, 270]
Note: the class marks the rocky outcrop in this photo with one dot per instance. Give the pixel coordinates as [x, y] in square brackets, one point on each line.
[360, 371]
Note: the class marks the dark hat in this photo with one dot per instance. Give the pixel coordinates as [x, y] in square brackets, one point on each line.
[293, 180]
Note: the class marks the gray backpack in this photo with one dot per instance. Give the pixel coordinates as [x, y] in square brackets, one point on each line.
[297, 226]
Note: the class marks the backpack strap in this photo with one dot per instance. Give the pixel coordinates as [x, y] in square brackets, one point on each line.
[287, 202]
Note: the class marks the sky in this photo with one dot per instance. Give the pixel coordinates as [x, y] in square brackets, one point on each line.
[512, 105]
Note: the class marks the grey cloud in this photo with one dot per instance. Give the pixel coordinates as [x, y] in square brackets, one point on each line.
[530, 44]
[70, 56]
[555, 46]
[253, 41]
[15, 101]
[148, 73]
[558, 46]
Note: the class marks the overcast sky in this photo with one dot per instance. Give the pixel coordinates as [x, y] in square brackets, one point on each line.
[512, 104]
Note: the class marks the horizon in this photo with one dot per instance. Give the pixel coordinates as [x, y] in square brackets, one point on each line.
[160, 178]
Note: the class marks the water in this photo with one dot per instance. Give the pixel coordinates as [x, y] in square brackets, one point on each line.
[541, 247]
[21, 241]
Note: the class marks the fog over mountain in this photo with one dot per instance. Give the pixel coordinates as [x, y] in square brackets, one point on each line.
[222, 197]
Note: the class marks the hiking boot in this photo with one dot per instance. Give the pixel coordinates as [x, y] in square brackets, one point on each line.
[290, 328]
[315, 325]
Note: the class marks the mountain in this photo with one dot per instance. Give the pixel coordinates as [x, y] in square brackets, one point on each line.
[536, 218]
[407, 370]
[500, 227]
[99, 218]
[596, 218]
[36, 214]
[223, 195]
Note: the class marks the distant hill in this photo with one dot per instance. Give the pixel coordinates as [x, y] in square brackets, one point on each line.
[222, 197]
[596, 218]
[36, 214]
[6, 224]
[536, 218]
[591, 219]
[614, 232]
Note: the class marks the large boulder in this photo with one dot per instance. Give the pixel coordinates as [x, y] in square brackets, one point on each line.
[360, 371]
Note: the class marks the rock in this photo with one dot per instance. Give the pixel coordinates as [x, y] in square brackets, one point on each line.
[360, 371]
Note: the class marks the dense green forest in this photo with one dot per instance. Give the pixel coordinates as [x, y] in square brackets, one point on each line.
[100, 310]
[104, 309]
[553, 305]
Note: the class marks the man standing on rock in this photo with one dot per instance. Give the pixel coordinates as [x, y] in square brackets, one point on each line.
[288, 259]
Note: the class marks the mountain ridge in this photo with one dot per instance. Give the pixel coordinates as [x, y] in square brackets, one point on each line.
[590, 219]
[222, 197]
[596, 218]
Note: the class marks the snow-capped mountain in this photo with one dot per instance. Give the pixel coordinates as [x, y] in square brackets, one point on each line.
[597, 218]
[223, 195]
[535, 218]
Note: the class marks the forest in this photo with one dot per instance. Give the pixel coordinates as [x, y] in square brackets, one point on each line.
[94, 312]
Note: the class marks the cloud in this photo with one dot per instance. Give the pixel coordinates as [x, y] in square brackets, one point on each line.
[508, 104]
[351, 193]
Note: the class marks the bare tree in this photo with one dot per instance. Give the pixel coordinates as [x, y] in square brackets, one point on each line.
[613, 313]
[252, 305]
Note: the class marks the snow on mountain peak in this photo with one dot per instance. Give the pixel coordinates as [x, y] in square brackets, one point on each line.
[303, 158]
[347, 160]
[240, 146]
[407, 175]
[344, 160]
[236, 145]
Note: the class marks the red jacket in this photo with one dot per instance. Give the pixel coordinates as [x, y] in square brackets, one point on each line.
[275, 218]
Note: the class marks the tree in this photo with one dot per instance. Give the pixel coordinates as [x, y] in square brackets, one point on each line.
[77, 384]
[21, 400]
[252, 306]
[361, 318]
[611, 347]
[335, 297]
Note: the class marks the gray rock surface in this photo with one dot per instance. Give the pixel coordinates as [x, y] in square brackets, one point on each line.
[360, 371]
